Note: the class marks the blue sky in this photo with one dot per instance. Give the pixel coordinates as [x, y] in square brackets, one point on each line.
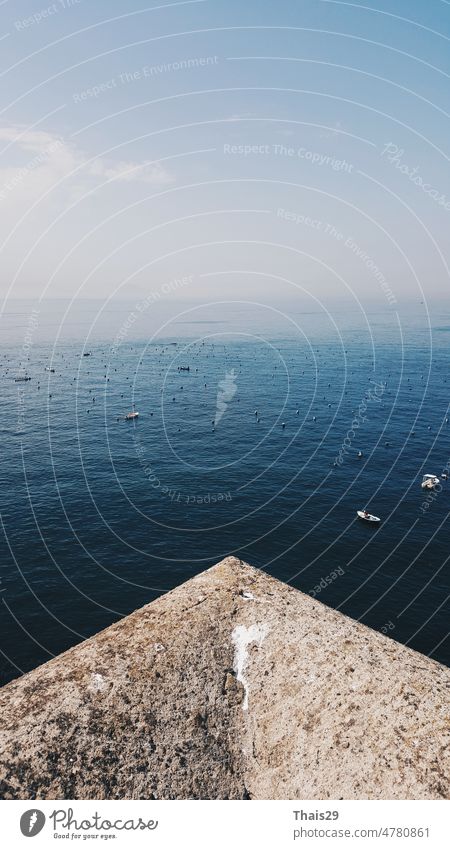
[268, 150]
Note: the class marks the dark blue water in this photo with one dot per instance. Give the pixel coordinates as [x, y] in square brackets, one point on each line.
[100, 516]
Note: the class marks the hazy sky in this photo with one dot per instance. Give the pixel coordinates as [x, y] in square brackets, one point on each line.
[258, 149]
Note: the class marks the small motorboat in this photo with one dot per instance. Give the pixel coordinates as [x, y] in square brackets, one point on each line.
[367, 517]
[429, 481]
[130, 416]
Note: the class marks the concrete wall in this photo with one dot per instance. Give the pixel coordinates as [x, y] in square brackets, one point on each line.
[233, 686]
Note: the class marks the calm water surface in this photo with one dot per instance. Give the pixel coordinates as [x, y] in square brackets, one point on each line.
[100, 516]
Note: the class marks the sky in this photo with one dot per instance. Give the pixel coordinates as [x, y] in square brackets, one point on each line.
[258, 150]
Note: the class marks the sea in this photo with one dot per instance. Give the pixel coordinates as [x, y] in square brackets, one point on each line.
[262, 429]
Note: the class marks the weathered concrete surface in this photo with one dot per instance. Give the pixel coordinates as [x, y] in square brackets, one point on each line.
[232, 686]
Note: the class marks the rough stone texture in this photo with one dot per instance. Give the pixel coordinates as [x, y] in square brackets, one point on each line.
[155, 706]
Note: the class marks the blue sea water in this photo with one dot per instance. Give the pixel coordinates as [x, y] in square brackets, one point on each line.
[100, 515]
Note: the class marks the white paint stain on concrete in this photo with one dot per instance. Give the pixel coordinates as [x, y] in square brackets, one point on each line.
[242, 637]
[98, 682]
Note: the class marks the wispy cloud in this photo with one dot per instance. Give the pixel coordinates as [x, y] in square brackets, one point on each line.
[146, 172]
[34, 161]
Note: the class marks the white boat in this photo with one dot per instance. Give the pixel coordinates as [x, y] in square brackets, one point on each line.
[429, 481]
[366, 517]
[130, 416]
